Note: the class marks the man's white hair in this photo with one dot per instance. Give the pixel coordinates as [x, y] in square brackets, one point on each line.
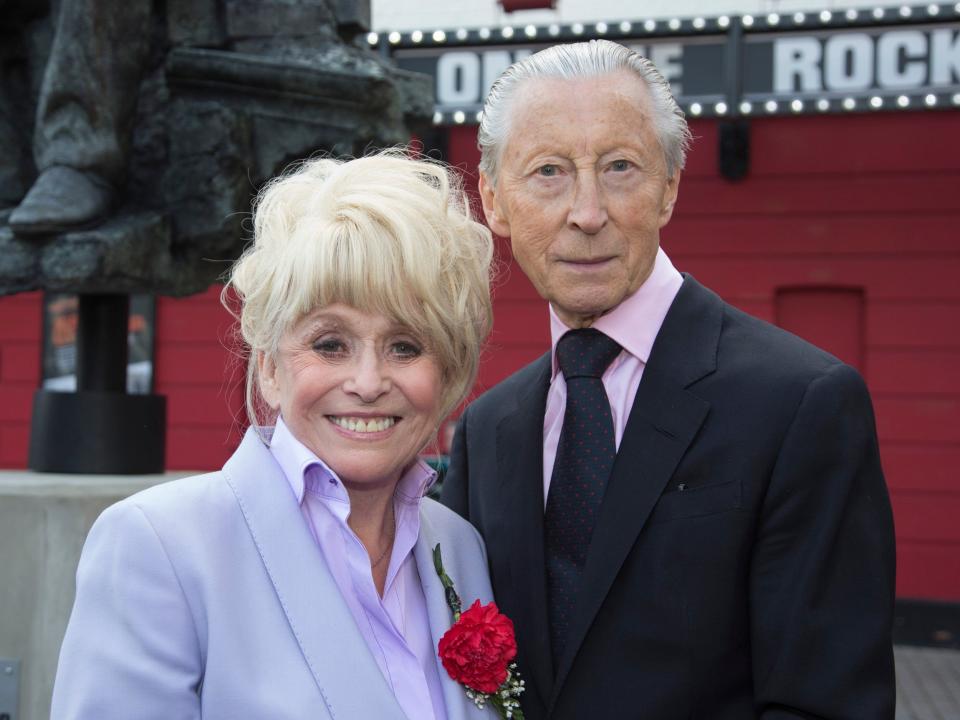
[578, 60]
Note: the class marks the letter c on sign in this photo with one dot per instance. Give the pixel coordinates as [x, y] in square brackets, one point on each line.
[913, 44]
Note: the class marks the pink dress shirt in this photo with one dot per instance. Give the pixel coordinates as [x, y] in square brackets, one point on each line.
[634, 324]
[395, 627]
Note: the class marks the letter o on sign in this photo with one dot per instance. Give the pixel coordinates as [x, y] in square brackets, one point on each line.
[848, 62]
[458, 78]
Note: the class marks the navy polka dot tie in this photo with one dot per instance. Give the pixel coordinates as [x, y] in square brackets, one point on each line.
[583, 463]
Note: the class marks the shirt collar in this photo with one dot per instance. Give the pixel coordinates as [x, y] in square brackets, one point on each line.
[635, 322]
[301, 467]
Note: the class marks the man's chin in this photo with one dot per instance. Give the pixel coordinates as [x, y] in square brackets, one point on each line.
[583, 313]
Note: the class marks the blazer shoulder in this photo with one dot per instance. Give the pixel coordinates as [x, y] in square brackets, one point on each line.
[187, 512]
[770, 351]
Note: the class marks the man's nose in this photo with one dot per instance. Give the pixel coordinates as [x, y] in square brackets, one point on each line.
[369, 379]
[588, 211]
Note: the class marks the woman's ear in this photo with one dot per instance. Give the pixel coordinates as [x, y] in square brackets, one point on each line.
[267, 379]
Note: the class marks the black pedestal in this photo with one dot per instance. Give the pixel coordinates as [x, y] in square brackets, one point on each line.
[97, 432]
[99, 428]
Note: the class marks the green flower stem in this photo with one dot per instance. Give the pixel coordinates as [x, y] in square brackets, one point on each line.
[453, 600]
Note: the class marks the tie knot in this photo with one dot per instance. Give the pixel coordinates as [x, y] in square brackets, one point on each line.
[585, 353]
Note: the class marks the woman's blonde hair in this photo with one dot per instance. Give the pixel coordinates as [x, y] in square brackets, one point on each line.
[383, 233]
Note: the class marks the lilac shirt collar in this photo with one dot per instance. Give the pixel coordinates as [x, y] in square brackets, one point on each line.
[295, 459]
[635, 322]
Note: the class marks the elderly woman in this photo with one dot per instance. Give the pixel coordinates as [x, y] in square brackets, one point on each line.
[298, 582]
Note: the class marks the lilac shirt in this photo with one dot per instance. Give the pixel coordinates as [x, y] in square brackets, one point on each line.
[395, 627]
[634, 323]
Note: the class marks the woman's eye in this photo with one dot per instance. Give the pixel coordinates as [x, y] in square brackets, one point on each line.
[620, 165]
[406, 350]
[330, 347]
[548, 170]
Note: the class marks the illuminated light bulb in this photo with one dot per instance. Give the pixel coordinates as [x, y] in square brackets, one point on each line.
[723, 21]
[770, 106]
[720, 108]
[930, 100]
[876, 102]
[903, 101]
[773, 19]
[577, 28]
[796, 105]
[826, 16]
[459, 117]
[393, 38]
[674, 24]
[849, 103]
[747, 20]
[437, 118]
[626, 26]
[462, 34]
[699, 23]
[696, 108]
[746, 107]
[439, 36]
[416, 36]
[799, 18]
[530, 31]
[372, 38]
[601, 28]
[650, 25]
[823, 104]
[506, 32]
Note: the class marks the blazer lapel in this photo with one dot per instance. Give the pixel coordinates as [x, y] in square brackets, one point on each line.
[520, 467]
[663, 421]
[346, 673]
[459, 707]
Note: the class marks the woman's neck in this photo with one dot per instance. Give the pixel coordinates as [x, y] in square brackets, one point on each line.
[372, 519]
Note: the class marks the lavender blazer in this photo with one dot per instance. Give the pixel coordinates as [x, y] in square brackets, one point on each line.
[208, 597]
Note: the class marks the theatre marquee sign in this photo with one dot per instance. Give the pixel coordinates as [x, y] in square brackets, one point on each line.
[857, 60]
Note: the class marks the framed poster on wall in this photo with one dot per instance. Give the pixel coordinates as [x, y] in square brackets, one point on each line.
[60, 343]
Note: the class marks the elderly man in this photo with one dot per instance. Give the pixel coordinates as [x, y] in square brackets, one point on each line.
[683, 506]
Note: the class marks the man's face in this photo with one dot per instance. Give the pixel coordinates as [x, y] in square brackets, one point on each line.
[582, 191]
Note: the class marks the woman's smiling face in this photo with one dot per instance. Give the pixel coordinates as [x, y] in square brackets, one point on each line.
[356, 388]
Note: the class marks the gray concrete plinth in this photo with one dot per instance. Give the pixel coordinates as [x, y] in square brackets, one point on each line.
[44, 520]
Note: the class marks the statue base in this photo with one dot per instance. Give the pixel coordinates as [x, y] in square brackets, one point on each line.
[97, 433]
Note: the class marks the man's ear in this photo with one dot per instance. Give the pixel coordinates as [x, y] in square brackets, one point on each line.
[267, 380]
[669, 198]
[498, 222]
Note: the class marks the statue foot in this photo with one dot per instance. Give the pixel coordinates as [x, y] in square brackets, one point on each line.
[62, 199]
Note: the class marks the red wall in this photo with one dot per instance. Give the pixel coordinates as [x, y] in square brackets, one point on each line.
[845, 226]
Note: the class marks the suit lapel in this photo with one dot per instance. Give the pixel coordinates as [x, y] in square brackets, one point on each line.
[346, 674]
[663, 422]
[520, 468]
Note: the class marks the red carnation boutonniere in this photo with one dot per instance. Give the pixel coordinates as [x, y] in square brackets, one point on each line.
[478, 651]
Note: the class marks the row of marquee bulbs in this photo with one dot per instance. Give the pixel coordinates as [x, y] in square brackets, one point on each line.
[746, 107]
[698, 23]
